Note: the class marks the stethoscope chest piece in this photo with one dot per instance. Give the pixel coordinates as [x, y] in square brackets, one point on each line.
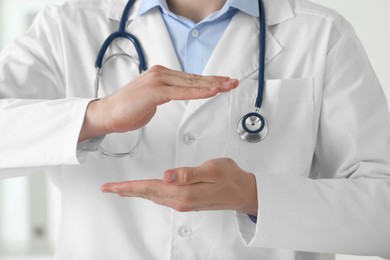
[252, 127]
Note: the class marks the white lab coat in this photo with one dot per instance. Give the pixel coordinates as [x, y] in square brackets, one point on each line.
[323, 172]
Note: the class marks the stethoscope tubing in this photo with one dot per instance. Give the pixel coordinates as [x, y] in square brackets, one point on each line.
[99, 60]
[262, 43]
[121, 33]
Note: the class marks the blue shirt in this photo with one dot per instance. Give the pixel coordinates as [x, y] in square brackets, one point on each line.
[195, 42]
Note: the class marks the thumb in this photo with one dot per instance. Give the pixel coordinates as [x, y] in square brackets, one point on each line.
[184, 176]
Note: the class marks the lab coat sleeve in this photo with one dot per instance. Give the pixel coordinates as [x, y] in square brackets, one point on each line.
[345, 206]
[39, 126]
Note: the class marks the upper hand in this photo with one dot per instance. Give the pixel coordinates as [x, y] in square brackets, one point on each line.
[217, 184]
[134, 105]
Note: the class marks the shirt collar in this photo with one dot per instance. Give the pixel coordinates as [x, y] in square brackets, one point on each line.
[249, 7]
[277, 11]
[150, 4]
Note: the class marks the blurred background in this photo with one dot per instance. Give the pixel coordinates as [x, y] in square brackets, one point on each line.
[30, 206]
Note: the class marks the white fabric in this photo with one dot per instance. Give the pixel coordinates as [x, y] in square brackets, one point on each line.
[323, 172]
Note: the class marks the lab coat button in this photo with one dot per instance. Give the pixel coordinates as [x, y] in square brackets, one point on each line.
[195, 33]
[184, 231]
[188, 139]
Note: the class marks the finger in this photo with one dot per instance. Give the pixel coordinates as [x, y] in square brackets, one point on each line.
[194, 80]
[180, 78]
[173, 78]
[188, 175]
[185, 93]
[180, 198]
[153, 190]
[196, 92]
[198, 81]
[222, 85]
[140, 188]
[129, 186]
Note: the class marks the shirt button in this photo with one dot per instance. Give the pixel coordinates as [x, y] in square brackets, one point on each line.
[195, 33]
[188, 139]
[184, 231]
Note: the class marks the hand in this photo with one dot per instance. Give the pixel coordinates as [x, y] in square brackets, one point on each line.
[134, 105]
[217, 184]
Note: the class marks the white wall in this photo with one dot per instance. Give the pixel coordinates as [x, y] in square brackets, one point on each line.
[369, 17]
[16, 16]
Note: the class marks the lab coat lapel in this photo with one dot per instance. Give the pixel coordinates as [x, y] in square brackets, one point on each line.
[236, 54]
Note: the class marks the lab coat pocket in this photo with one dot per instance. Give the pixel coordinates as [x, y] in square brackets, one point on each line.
[288, 109]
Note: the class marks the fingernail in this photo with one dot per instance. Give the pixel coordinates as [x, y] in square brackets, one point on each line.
[110, 188]
[230, 83]
[234, 82]
[170, 176]
[104, 188]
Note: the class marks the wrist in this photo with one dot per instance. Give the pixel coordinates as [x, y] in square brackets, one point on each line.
[93, 124]
[251, 205]
[253, 201]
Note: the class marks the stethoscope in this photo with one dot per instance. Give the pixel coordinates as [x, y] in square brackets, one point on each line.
[252, 127]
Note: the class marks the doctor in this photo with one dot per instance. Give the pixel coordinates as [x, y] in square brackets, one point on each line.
[318, 183]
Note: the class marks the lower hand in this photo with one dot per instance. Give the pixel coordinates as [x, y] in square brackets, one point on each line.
[217, 184]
